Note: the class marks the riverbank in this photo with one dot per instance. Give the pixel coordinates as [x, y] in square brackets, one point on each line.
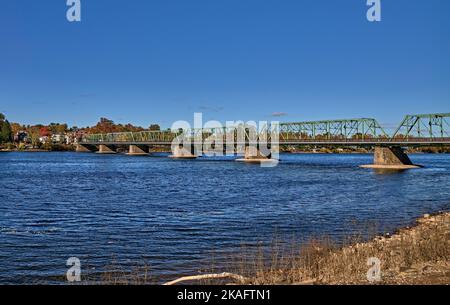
[412, 255]
[47, 148]
[417, 255]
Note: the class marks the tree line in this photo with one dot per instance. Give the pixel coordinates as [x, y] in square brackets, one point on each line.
[10, 131]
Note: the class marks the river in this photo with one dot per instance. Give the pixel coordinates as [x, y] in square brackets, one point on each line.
[173, 214]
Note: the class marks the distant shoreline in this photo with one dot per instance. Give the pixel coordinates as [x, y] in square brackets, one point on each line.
[26, 151]
[54, 148]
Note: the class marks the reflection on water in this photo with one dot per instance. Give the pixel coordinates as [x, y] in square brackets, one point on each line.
[173, 214]
[389, 171]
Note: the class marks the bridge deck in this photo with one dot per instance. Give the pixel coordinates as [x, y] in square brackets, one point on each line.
[347, 142]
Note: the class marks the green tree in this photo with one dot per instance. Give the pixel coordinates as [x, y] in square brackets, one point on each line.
[5, 130]
[155, 127]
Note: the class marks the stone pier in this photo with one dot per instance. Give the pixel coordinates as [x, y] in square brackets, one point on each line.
[85, 148]
[106, 149]
[390, 158]
[257, 155]
[182, 153]
[138, 150]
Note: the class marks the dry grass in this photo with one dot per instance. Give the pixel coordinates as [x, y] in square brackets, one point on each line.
[116, 274]
[418, 255]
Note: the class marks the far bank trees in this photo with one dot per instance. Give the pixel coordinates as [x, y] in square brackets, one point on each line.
[5, 130]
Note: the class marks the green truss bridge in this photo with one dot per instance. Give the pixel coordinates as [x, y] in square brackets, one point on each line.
[414, 130]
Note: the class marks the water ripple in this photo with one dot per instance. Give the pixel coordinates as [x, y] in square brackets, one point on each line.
[173, 215]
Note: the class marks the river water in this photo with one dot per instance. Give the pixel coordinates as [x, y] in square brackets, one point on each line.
[173, 214]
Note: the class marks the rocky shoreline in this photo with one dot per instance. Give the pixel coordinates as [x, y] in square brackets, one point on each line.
[415, 255]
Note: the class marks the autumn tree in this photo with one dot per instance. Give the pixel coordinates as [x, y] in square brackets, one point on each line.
[16, 127]
[108, 126]
[57, 128]
[104, 126]
[34, 135]
[154, 127]
[44, 131]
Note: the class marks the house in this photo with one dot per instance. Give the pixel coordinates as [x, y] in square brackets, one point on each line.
[21, 136]
[43, 139]
[58, 138]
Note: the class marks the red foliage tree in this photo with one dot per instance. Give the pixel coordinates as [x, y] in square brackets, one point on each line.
[44, 132]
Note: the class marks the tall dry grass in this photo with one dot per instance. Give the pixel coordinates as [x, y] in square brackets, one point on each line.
[323, 261]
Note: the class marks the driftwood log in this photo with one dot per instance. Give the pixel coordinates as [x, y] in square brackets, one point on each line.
[236, 277]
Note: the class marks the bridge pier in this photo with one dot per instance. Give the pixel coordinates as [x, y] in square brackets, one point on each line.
[257, 155]
[138, 150]
[106, 149]
[392, 157]
[180, 152]
[85, 148]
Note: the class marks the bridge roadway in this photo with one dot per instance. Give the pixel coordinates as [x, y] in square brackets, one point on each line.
[346, 142]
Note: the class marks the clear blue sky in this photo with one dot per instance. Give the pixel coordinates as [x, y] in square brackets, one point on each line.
[157, 61]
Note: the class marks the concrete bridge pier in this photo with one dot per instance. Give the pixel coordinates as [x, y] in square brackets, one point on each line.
[138, 150]
[257, 155]
[106, 149]
[181, 152]
[85, 148]
[392, 157]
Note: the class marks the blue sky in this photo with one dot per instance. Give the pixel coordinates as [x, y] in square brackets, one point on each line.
[157, 61]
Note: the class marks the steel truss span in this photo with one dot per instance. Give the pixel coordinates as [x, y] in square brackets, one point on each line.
[422, 129]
